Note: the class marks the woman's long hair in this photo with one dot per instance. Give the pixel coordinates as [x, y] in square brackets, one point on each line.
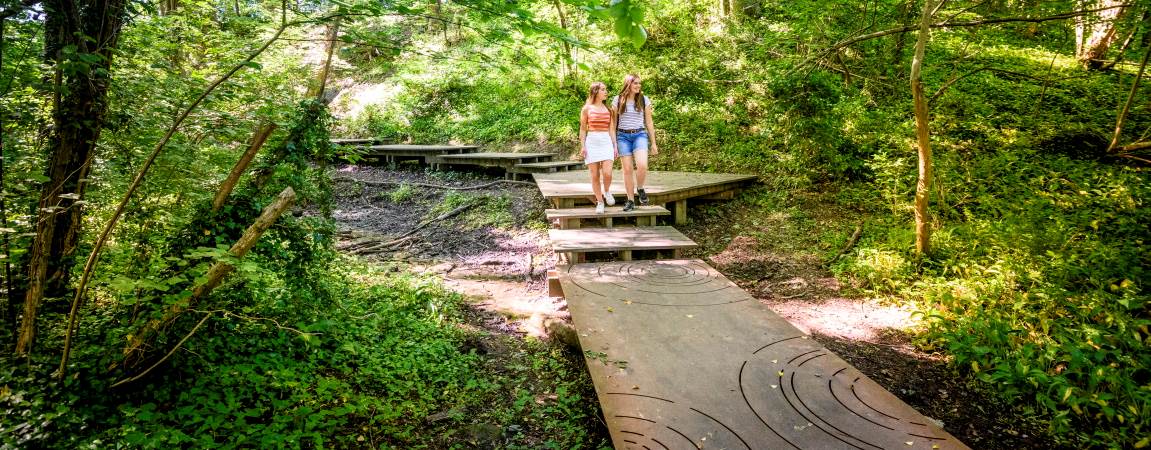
[638, 100]
[593, 91]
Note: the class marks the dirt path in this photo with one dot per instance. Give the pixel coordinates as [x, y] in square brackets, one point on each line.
[497, 254]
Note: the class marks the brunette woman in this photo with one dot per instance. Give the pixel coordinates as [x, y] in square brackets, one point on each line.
[597, 143]
[634, 134]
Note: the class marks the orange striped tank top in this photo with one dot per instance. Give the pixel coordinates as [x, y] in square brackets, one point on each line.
[598, 119]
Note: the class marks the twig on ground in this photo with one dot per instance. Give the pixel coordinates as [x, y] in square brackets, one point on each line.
[848, 246]
[433, 186]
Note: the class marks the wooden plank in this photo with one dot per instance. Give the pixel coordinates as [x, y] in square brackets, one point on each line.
[497, 155]
[661, 187]
[405, 148]
[680, 208]
[610, 211]
[357, 141]
[682, 358]
[615, 239]
[550, 164]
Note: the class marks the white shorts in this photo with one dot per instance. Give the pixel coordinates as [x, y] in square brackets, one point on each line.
[599, 147]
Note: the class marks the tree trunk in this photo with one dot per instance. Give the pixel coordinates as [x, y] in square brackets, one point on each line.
[922, 135]
[1095, 33]
[9, 303]
[92, 27]
[1127, 105]
[316, 90]
[567, 61]
[241, 166]
[219, 270]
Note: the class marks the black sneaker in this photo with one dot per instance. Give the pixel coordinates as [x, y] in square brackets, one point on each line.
[642, 197]
[630, 205]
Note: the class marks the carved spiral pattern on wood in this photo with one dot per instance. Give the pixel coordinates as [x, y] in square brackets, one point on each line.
[812, 399]
[680, 426]
[660, 282]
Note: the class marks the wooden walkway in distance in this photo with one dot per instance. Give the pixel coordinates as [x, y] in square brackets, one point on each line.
[567, 189]
[682, 358]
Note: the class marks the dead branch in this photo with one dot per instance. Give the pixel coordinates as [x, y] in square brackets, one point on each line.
[433, 186]
[1134, 147]
[946, 24]
[90, 265]
[169, 355]
[409, 235]
[848, 246]
[241, 166]
[1127, 105]
[218, 271]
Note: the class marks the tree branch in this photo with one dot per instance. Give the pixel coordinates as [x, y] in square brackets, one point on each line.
[974, 23]
[90, 265]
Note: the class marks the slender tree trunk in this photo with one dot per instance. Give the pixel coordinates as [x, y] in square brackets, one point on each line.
[1095, 33]
[316, 90]
[567, 63]
[1127, 105]
[241, 166]
[219, 270]
[9, 301]
[92, 27]
[922, 135]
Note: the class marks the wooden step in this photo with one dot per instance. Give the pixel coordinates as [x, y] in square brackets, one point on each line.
[357, 141]
[548, 166]
[570, 218]
[494, 159]
[574, 243]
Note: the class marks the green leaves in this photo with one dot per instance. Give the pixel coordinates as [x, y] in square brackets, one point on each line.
[628, 20]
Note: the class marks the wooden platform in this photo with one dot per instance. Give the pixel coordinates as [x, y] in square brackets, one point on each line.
[682, 358]
[569, 218]
[424, 152]
[495, 159]
[622, 240]
[548, 167]
[357, 141]
[567, 189]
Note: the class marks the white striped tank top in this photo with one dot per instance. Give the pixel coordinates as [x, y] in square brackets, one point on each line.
[630, 119]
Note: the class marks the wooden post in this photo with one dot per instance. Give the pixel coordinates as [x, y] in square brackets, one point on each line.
[570, 224]
[625, 255]
[681, 212]
[607, 222]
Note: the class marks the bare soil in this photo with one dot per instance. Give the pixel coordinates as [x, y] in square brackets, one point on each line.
[773, 255]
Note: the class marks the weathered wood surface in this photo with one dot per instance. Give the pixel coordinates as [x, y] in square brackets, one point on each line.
[356, 141]
[661, 187]
[615, 239]
[610, 211]
[682, 358]
[420, 149]
[550, 164]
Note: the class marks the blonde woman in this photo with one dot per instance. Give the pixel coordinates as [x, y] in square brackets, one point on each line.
[597, 143]
[634, 134]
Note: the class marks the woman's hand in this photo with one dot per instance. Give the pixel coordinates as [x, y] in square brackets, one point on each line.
[583, 152]
[654, 149]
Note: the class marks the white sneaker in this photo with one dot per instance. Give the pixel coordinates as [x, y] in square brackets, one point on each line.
[609, 199]
[599, 208]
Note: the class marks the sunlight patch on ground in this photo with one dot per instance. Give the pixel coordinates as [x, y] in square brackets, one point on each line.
[861, 320]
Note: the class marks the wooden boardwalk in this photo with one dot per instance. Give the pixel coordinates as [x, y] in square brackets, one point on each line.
[682, 358]
[567, 189]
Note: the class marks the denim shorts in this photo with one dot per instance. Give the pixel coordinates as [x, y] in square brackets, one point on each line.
[631, 142]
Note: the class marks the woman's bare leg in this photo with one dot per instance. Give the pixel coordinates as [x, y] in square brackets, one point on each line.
[640, 167]
[628, 180]
[605, 173]
[594, 169]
